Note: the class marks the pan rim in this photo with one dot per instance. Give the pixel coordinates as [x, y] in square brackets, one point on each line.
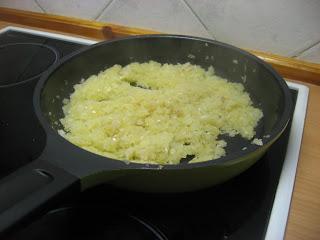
[231, 158]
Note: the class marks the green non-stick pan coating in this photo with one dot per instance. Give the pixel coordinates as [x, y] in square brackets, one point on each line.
[83, 169]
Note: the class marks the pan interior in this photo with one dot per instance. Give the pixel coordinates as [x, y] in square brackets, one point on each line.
[262, 85]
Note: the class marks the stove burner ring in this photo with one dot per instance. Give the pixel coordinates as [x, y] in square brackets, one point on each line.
[159, 235]
[23, 62]
[86, 222]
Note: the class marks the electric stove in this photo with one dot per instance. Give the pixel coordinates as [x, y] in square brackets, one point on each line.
[253, 205]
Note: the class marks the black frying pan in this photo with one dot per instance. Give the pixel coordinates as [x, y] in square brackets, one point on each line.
[64, 168]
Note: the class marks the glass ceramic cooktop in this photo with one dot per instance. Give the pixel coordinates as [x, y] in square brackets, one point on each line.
[253, 205]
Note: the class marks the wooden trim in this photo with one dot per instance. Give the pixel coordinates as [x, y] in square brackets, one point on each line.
[93, 29]
[287, 67]
[291, 67]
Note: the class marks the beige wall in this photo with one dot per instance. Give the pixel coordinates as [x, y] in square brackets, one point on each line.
[285, 27]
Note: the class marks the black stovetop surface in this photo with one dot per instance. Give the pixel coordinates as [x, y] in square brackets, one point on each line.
[237, 209]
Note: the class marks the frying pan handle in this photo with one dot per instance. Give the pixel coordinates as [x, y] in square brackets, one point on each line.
[31, 190]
